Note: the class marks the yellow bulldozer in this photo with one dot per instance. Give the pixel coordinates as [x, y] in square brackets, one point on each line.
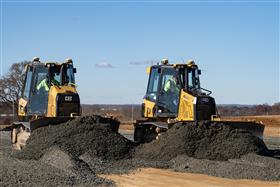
[174, 95]
[49, 97]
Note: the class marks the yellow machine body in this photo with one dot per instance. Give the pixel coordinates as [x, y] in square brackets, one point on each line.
[149, 108]
[186, 109]
[52, 102]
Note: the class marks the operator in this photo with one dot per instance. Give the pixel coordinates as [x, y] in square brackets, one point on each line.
[172, 90]
[44, 83]
[172, 86]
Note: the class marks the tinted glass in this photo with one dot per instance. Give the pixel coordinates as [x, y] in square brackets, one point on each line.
[190, 79]
[68, 74]
[153, 82]
[167, 75]
[27, 84]
[170, 90]
[39, 96]
[55, 75]
[193, 79]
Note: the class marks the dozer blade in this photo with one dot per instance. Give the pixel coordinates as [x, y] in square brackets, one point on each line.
[22, 130]
[256, 128]
[45, 121]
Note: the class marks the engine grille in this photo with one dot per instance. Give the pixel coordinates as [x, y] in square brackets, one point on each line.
[67, 104]
[205, 108]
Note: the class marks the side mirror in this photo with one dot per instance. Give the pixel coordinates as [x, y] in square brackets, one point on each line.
[199, 72]
[74, 70]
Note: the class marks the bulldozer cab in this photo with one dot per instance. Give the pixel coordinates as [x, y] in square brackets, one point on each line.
[39, 78]
[166, 84]
[164, 88]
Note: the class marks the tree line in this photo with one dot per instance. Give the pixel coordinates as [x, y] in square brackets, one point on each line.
[249, 110]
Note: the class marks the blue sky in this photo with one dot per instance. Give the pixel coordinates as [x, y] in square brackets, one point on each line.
[236, 44]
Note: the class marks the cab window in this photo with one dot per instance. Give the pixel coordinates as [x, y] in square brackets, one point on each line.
[27, 84]
[153, 82]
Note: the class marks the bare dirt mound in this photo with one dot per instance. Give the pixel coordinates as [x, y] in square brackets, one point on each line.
[91, 134]
[203, 141]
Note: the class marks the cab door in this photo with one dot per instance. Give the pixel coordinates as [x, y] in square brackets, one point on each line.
[169, 91]
[38, 98]
[149, 102]
[25, 95]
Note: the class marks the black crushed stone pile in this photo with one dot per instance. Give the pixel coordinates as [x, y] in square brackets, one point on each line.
[35, 173]
[93, 135]
[89, 145]
[250, 166]
[203, 141]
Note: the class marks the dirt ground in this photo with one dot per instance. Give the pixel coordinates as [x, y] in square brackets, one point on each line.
[159, 177]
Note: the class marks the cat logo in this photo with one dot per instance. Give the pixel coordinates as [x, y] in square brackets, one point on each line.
[68, 98]
[206, 100]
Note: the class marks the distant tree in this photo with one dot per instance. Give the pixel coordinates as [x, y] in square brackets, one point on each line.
[11, 85]
[263, 109]
[276, 108]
